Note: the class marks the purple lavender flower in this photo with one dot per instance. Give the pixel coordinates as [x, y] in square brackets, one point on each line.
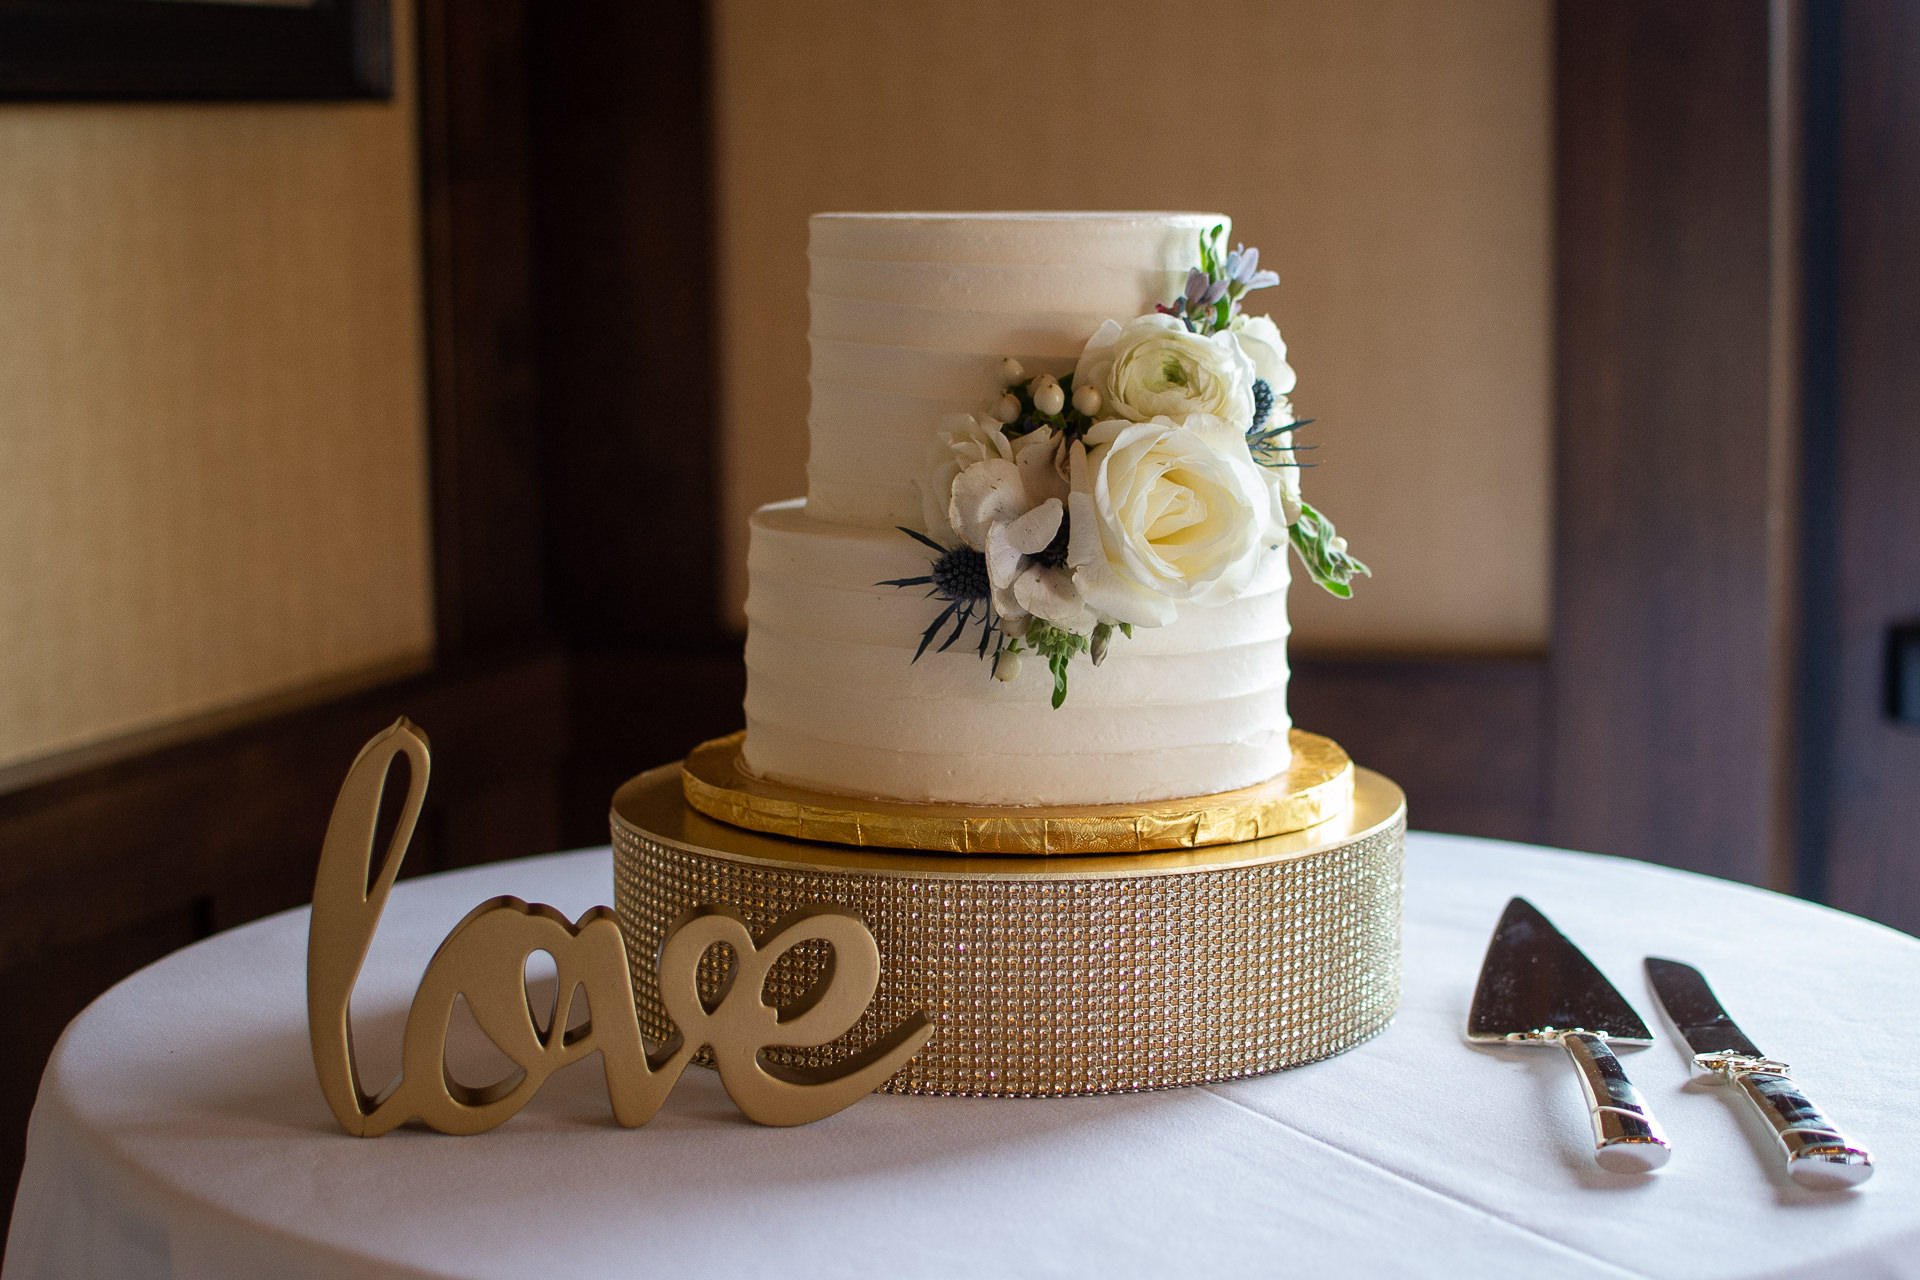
[1197, 287]
[1243, 269]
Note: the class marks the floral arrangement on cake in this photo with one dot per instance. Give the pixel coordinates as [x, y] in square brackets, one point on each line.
[1163, 470]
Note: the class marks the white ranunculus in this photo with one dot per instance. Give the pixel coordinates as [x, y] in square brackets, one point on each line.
[1165, 512]
[1154, 367]
[1259, 340]
[961, 441]
[1012, 509]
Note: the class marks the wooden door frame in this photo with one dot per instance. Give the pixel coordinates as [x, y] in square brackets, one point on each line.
[1676, 424]
[1860, 765]
[1737, 511]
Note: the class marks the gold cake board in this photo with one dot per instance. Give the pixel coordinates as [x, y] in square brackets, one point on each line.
[1071, 975]
[1317, 785]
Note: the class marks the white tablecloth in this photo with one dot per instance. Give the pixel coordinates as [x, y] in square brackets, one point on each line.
[180, 1131]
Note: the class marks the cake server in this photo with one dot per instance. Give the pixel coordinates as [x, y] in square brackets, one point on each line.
[1818, 1155]
[1536, 988]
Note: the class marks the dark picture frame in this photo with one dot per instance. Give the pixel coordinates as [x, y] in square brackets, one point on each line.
[194, 51]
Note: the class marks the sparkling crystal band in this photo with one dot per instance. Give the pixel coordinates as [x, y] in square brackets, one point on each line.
[1073, 976]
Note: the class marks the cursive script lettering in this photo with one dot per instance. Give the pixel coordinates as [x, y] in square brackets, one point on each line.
[484, 960]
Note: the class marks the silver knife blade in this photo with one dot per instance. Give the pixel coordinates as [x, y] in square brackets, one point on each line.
[1696, 1013]
[1533, 978]
[1818, 1155]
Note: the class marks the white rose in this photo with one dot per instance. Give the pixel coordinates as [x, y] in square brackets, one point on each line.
[1259, 340]
[1153, 367]
[1163, 512]
[962, 441]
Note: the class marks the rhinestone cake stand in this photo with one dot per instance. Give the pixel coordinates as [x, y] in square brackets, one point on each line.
[1053, 976]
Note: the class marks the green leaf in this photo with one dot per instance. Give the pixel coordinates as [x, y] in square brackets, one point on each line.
[1313, 538]
[1058, 647]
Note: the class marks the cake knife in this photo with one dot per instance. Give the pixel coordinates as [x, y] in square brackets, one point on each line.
[1536, 988]
[1818, 1155]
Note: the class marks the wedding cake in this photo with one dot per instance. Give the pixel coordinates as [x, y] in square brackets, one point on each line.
[1032, 613]
[1042, 559]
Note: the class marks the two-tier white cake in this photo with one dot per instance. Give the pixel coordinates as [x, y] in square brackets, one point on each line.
[1032, 433]
[912, 317]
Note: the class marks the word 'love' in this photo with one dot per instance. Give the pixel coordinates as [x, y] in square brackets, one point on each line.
[484, 959]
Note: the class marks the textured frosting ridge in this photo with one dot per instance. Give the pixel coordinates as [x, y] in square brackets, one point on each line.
[836, 702]
[911, 317]
[912, 314]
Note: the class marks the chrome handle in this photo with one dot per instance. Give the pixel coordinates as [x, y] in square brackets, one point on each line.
[1626, 1137]
[1819, 1156]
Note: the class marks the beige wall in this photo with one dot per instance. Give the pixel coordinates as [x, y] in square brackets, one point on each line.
[212, 485]
[1389, 157]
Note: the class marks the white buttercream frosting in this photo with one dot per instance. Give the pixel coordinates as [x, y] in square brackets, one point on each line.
[836, 702]
[912, 315]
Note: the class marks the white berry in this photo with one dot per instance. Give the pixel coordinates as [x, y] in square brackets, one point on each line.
[1006, 409]
[1007, 668]
[1048, 398]
[1010, 371]
[1087, 399]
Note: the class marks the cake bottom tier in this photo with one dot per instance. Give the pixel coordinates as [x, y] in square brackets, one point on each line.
[836, 700]
[1075, 976]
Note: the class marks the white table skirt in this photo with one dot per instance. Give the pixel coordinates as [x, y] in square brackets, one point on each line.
[180, 1131]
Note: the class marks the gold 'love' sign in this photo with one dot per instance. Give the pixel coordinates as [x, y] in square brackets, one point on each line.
[484, 959]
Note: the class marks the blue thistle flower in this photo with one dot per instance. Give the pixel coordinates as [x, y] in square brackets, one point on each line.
[957, 575]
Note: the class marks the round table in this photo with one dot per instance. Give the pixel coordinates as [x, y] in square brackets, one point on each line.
[180, 1130]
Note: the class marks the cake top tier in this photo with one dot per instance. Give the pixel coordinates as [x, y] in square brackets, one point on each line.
[1163, 241]
[912, 314]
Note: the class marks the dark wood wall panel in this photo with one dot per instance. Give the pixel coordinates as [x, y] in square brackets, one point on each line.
[1464, 737]
[623, 242]
[1871, 849]
[629, 712]
[485, 441]
[1666, 619]
[621, 237]
[164, 830]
